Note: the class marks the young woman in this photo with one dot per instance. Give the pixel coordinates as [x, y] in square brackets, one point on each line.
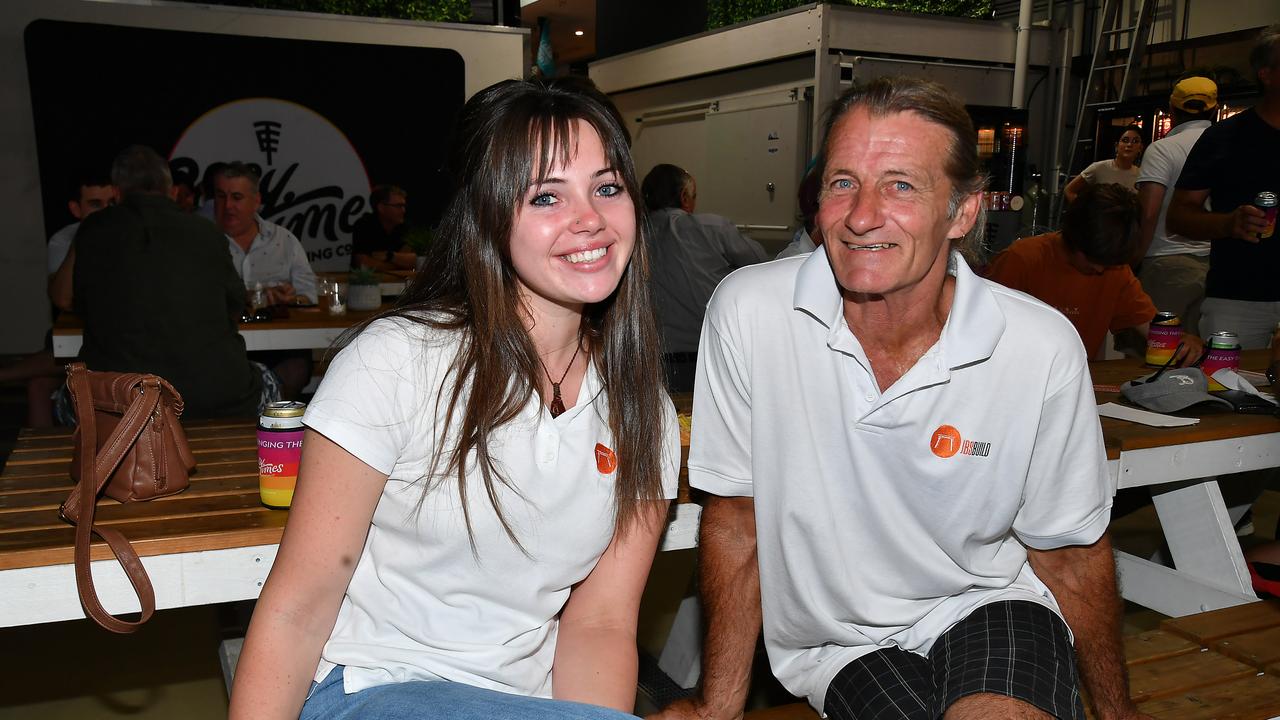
[485, 469]
[1123, 169]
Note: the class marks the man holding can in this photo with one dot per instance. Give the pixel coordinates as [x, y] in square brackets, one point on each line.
[919, 517]
[1236, 167]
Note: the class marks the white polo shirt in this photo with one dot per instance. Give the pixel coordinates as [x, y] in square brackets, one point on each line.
[421, 605]
[883, 519]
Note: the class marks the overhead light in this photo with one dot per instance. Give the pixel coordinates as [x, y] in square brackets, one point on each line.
[579, 33]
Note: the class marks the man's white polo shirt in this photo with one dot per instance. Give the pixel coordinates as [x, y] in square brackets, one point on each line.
[884, 518]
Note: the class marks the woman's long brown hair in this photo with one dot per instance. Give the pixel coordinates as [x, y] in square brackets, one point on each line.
[509, 135]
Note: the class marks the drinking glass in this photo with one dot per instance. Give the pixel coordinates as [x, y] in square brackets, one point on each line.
[333, 296]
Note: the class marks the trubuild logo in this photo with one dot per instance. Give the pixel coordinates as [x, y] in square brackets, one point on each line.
[313, 181]
[946, 441]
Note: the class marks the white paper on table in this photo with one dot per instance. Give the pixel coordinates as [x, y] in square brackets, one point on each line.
[1233, 380]
[1143, 417]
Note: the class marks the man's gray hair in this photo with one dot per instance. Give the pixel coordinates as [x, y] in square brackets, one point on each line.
[139, 169]
[237, 169]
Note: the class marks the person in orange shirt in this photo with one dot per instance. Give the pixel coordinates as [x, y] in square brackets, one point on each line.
[1083, 271]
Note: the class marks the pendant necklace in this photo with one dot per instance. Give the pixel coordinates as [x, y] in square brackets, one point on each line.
[557, 404]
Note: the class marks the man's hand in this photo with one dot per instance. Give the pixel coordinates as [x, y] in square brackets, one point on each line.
[282, 294]
[690, 708]
[1192, 349]
[1246, 222]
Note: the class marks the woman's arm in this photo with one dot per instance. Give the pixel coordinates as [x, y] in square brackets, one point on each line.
[596, 646]
[328, 522]
[1074, 187]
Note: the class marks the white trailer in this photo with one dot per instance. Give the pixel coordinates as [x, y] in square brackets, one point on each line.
[490, 54]
[741, 108]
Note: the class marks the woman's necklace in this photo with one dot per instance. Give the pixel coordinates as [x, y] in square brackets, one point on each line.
[557, 404]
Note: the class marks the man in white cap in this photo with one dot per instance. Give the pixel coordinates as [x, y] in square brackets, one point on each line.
[1173, 267]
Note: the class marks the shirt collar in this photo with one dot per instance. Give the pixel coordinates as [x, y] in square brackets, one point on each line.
[972, 331]
[1188, 125]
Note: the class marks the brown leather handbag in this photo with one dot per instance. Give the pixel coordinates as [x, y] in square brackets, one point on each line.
[129, 445]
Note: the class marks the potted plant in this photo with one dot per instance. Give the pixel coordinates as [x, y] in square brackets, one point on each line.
[363, 291]
[419, 239]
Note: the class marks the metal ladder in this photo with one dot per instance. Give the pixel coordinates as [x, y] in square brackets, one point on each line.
[1093, 97]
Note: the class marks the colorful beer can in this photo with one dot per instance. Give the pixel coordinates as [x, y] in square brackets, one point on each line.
[279, 451]
[1163, 337]
[1224, 352]
[1266, 202]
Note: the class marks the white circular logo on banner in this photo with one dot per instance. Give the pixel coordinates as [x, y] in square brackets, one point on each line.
[313, 181]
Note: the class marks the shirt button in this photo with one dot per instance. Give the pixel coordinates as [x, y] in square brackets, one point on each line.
[870, 397]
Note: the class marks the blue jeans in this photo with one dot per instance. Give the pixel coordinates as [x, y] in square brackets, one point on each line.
[438, 699]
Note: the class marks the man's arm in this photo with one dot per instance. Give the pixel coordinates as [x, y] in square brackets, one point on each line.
[729, 588]
[1150, 199]
[1083, 579]
[60, 283]
[1187, 216]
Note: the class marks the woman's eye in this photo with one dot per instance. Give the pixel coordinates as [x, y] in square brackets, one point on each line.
[610, 190]
[543, 199]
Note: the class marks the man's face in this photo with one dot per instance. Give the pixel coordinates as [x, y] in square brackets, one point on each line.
[391, 212]
[235, 202]
[883, 204]
[92, 199]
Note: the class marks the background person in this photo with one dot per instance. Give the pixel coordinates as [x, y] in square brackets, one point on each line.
[1121, 170]
[690, 254]
[158, 294]
[1173, 267]
[266, 253]
[261, 251]
[377, 239]
[484, 472]
[1083, 271]
[1230, 164]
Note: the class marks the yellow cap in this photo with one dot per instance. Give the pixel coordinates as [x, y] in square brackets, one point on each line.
[1195, 89]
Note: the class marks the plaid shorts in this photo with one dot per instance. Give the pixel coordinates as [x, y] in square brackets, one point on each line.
[1015, 648]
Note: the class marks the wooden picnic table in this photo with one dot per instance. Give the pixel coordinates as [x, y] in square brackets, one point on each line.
[1182, 467]
[214, 542]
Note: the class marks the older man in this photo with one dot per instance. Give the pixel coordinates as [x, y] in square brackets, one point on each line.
[262, 251]
[909, 481]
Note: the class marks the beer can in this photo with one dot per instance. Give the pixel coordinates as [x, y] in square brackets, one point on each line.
[1224, 352]
[279, 451]
[1266, 202]
[1163, 337]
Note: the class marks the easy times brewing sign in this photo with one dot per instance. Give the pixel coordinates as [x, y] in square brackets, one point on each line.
[313, 181]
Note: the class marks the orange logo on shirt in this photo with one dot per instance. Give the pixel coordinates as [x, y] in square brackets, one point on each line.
[606, 459]
[945, 441]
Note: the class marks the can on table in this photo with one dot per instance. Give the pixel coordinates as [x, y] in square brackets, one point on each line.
[1224, 352]
[1266, 202]
[279, 450]
[1163, 337]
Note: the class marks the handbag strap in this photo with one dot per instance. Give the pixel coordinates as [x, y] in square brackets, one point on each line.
[94, 472]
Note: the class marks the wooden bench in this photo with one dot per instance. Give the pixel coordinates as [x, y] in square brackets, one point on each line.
[1219, 664]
